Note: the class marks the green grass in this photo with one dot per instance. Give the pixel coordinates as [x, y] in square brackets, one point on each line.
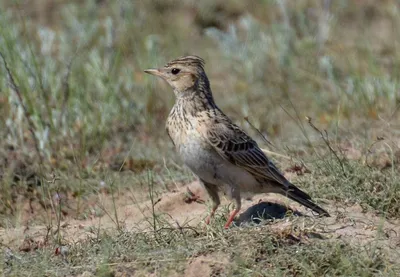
[82, 121]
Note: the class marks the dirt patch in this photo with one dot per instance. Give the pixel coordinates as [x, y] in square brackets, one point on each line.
[350, 224]
[207, 265]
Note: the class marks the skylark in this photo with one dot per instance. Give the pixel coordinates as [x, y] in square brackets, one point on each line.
[220, 153]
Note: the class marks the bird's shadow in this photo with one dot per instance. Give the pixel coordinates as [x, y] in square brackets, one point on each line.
[264, 211]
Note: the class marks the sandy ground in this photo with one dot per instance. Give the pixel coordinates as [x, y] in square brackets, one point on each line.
[350, 224]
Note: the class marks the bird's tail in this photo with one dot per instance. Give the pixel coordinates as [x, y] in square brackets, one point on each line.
[303, 198]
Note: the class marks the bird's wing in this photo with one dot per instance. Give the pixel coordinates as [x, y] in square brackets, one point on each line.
[169, 134]
[236, 146]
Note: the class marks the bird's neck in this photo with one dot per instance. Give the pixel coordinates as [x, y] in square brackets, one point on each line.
[199, 97]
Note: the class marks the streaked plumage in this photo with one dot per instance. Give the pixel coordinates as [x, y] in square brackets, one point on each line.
[221, 154]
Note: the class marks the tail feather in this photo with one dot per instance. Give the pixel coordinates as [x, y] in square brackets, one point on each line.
[303, 198]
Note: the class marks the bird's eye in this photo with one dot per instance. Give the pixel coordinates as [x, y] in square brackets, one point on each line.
[175, 71]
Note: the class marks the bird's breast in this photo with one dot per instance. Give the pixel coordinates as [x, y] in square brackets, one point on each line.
[178, 129]
[189, 142]
[181, 126]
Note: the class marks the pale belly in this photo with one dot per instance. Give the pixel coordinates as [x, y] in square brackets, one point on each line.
[209, 166]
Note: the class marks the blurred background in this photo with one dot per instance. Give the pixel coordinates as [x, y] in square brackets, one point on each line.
[74, 99]
[86, 165]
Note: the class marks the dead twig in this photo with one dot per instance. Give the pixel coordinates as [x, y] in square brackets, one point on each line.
[325, 138]
[275, 154]
[27, 115]
[258, 131]
[65, 86]
[267, 141]
[369, 150]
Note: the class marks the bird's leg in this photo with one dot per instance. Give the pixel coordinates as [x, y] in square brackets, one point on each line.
[238, 205]
[231, 217]
[212, 191]
[215, 205]
[208, 219]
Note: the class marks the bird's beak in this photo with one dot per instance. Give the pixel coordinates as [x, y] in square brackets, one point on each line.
[155, 72]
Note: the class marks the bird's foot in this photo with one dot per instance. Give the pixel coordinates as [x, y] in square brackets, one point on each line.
[231, 218]
[208, 219]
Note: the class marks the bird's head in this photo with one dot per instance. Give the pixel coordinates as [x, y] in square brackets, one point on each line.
[182, 74]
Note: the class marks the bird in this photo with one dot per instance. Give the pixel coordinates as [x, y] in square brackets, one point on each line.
[222, 156]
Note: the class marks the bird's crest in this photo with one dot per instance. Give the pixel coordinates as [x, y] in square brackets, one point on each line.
[187, 61]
